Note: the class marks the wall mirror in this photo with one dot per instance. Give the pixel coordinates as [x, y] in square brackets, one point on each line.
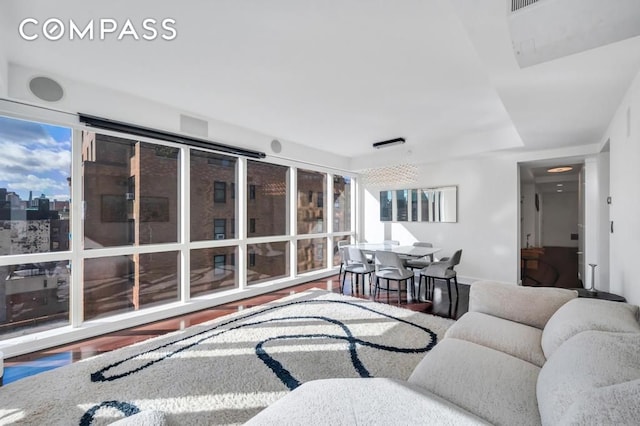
[439, 204]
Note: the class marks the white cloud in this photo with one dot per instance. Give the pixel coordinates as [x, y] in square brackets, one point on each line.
[25, 132]
[32, 182]
[59, 197]
[20, 159]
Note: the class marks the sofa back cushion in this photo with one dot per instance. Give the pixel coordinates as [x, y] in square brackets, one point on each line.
[593, 375]
[531, 306]
[588, 314]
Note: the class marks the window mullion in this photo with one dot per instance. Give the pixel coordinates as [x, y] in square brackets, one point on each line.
[76, 286]
[185, 224]
[293, 220]
[329, 204]
[241, 222]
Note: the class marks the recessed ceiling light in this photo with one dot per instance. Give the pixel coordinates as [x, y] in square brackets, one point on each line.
[560, 169]
[559, 184]
[559, 190]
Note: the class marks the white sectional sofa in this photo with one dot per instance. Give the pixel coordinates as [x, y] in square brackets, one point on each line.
[520, 356]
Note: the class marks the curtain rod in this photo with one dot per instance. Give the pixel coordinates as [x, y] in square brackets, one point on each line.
[104, 123]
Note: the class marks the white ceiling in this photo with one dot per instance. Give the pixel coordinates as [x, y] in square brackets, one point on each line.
[339, 75]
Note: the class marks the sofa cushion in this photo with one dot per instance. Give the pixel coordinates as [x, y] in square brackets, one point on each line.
[498, 387]
[612, 405]
[588, 314]
[363, 402]
[527, 305]
[519, 340]
[588, 376]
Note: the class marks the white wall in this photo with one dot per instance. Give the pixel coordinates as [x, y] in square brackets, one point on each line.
[4, 71]
[487, 227]
[624, 135]
[602, 277]
[560, 219]
[107, 103]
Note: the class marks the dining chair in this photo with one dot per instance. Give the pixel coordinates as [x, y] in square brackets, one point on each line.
[357, 265]
[442, 270]
[421, 262]
[389, 267]
[341, 244]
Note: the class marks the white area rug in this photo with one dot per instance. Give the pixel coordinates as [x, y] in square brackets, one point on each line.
[227, 370]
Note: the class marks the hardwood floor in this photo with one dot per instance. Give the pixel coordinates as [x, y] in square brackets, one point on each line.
[34, 363]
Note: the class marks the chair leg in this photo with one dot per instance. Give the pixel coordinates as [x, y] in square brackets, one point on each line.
[432, 287]
[413, 288]
[455, 280]
[387, 291]
[340, 277]
[449, 290]
[377, 288]
[344, 276]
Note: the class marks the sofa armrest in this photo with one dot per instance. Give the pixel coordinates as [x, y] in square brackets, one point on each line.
[527, 305]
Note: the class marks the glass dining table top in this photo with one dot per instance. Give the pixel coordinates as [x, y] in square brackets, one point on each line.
[413, 251]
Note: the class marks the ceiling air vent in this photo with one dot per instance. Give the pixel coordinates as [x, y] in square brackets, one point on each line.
[549, 30]
[519, 4]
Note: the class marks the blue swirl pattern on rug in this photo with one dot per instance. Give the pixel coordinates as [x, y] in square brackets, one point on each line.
[124, 407]
[278, 369]
[100, 376]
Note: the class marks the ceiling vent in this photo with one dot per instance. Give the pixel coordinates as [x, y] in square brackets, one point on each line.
[519, 4]
[543, 30]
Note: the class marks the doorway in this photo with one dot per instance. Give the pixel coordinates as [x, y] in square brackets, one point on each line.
[551, 208]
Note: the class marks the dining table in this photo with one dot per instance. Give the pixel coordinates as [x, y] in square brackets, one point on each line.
[411, 251]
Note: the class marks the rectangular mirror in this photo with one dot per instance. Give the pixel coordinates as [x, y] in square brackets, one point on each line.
[386, 209]
[439, 204]
[402, 205]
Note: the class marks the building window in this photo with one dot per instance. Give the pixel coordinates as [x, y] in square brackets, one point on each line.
[220, 192]
[219, 228]
[252, 259]
[209, 173]
[341, 203]
[311, 212]
[204, 280]
[272, 181]
[252, 225]
[219, 262]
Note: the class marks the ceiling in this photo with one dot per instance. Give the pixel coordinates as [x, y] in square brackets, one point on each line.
[555, 182]
[340, 75]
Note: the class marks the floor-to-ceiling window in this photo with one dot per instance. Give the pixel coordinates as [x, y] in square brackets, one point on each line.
[342, 190]
[213, 211]
[158, 224]
[267, 217]
[311, 212]
[130, 199]
[35, 264]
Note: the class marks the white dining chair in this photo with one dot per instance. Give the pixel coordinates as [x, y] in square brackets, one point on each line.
[421, 262]
[442, 270]
[357, 265]
[390, 268]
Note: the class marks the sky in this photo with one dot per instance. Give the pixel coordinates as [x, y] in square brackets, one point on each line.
[35, 157]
